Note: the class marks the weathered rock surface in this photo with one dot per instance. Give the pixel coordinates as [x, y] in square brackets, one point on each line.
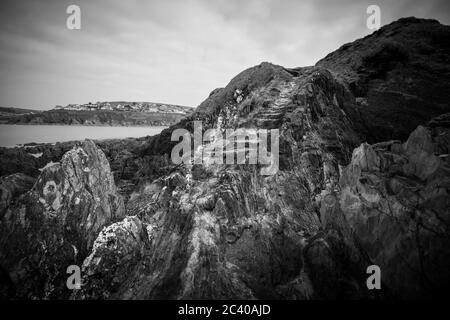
[55, 224]
[128, 166]
[399, 75]
[395, 199]
[228, 232]
[11, 187]
[225, 231]
[118, 249]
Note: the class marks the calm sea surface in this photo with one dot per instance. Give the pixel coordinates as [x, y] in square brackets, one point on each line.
[11, 135]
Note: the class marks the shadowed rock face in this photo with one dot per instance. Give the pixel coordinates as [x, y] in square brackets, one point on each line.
[395, 199]
[55, 223]
[399, 75]
[11, 187]
[118, 248]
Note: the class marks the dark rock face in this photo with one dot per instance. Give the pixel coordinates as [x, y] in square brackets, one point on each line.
[11, 187]
[399, 75]
[118, 248]
[395, 198]
[54, 224]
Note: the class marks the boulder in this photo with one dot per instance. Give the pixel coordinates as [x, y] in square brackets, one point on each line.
[55, 224]
[401, 219]
[115, 252]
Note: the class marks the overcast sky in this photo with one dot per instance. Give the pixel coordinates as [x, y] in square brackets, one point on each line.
[169, 51]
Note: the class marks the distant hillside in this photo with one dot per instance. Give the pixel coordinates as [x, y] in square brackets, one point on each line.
[15, 111]
[101, 117]
[119, 113]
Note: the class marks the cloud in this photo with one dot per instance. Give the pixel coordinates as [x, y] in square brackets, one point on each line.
[168, 51]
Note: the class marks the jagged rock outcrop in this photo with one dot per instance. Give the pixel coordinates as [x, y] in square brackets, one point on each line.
[55, 224]
[395, 199]
[118, 249]
[127, 165]
[229, 232]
